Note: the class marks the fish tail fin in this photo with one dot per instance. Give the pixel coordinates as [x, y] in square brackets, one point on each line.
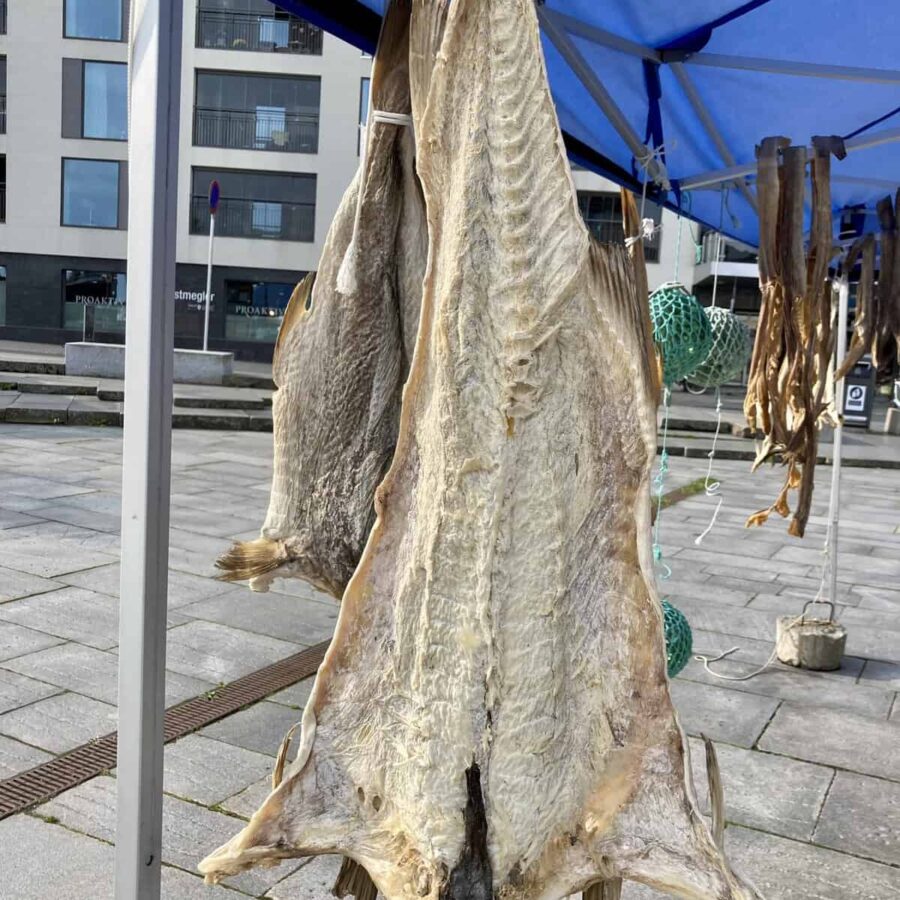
[354, 880]
[252, 559]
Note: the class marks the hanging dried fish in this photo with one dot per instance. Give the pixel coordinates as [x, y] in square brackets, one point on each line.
[788, 390]
[342, 357]
[492, 719]
[866, 303]
[886, 338]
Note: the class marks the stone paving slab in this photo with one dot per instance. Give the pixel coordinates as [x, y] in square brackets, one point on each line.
[312, 881]
[221, 654]
[835, 738]
[59, 723]
[94, 673]
[295, 696]
[272, 614]
[881, 674]
[764, 791]
[206, 771]
[261, 728]
[17, 690]
[190, 831]
[862, 816]
[17, 641]
[248, 801]
[17, 757]
[734, 717]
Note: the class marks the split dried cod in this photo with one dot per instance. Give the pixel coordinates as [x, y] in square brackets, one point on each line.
[885, 343]
[342, 357]
[492, 719]
[789, 387]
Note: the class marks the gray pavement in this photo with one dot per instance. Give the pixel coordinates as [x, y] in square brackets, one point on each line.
[810, 760]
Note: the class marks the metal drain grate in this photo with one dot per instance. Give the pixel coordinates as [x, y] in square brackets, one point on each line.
[45, 781]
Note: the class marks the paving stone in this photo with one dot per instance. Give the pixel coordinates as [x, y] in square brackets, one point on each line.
[15, 584]
[94, 673]
[39, 861]
[789, 870]
[722, 715]
[221, 654]
[17, 641]
[296, 695]
[312, 881]
[305, 622]
[799, 686]
[17, 757]
[881, 674]
[85, 518]
[862, 816]
[759, 625]
[738, 563]
[835, 738]
[248, 801]
[190, 831]
[764, 791]
[53, 548]
[17, 690]
[59, 723]
[207, 771]
[262, 727]
[183, 588]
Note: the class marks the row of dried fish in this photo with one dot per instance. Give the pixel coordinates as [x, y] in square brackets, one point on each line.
[492, 720]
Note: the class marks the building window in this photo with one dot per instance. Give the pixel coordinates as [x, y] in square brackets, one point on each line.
[2, 16]
[94, 301]
[2, 295]
[257, 112]
[105, 101]
[254, 25]
[276, 205]
[97, 20]
[602, 213]
[364, 85]
[90, 193]
[2, 94]
[2, 187]
[254, 309]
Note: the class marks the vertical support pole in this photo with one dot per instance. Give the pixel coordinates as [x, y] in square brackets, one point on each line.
[209, 261]
[835, 500]
[155, 90]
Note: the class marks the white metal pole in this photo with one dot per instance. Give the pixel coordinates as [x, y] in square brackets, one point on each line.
[155, 90]
[212, 231]
[835, 502]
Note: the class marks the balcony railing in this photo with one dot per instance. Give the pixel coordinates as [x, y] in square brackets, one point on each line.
[728, 252]
[256, 130]
[222, 30]
[256, 219]
[2, 113]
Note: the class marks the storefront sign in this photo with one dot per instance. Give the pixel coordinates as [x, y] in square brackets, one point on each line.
[194, 300]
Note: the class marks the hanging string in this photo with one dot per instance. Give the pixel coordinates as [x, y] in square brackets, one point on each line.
[664, 572]
[648, 227]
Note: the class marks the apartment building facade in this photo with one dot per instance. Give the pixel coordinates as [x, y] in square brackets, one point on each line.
[271, 108]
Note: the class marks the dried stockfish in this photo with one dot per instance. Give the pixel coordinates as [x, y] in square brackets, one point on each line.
[866, 316]
[342, 357]
[492, 720]
[789, 389]
[885, 343]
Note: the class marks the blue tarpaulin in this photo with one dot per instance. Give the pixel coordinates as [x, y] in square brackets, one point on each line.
[706, 80]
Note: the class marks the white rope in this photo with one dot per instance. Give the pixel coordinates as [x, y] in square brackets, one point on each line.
[706, 660]
[712, 488]
[346, 277]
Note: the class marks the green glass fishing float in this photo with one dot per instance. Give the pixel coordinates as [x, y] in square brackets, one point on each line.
[730, 351]
[679, 639]
[681, 330]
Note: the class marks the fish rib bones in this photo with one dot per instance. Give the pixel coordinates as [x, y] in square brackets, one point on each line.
[492, 718]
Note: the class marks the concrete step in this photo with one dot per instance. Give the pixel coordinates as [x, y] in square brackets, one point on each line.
[27, 383]
[35, 365]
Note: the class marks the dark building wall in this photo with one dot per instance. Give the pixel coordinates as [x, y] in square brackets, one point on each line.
[35, 304]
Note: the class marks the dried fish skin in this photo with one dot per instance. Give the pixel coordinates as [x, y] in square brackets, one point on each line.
[492, 719]
[342, 357]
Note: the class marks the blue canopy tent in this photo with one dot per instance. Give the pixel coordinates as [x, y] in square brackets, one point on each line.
[705, 81]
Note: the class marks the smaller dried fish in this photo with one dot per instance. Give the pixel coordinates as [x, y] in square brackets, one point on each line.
[788, 391]
[866, 303]
[885, 341]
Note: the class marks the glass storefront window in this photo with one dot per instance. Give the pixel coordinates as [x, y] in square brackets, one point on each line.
[255, 309]
[99, 20]
[105, 109]
[91, 193]
[94, 301]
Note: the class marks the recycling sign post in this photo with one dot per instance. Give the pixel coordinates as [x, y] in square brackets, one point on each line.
[859, 393]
